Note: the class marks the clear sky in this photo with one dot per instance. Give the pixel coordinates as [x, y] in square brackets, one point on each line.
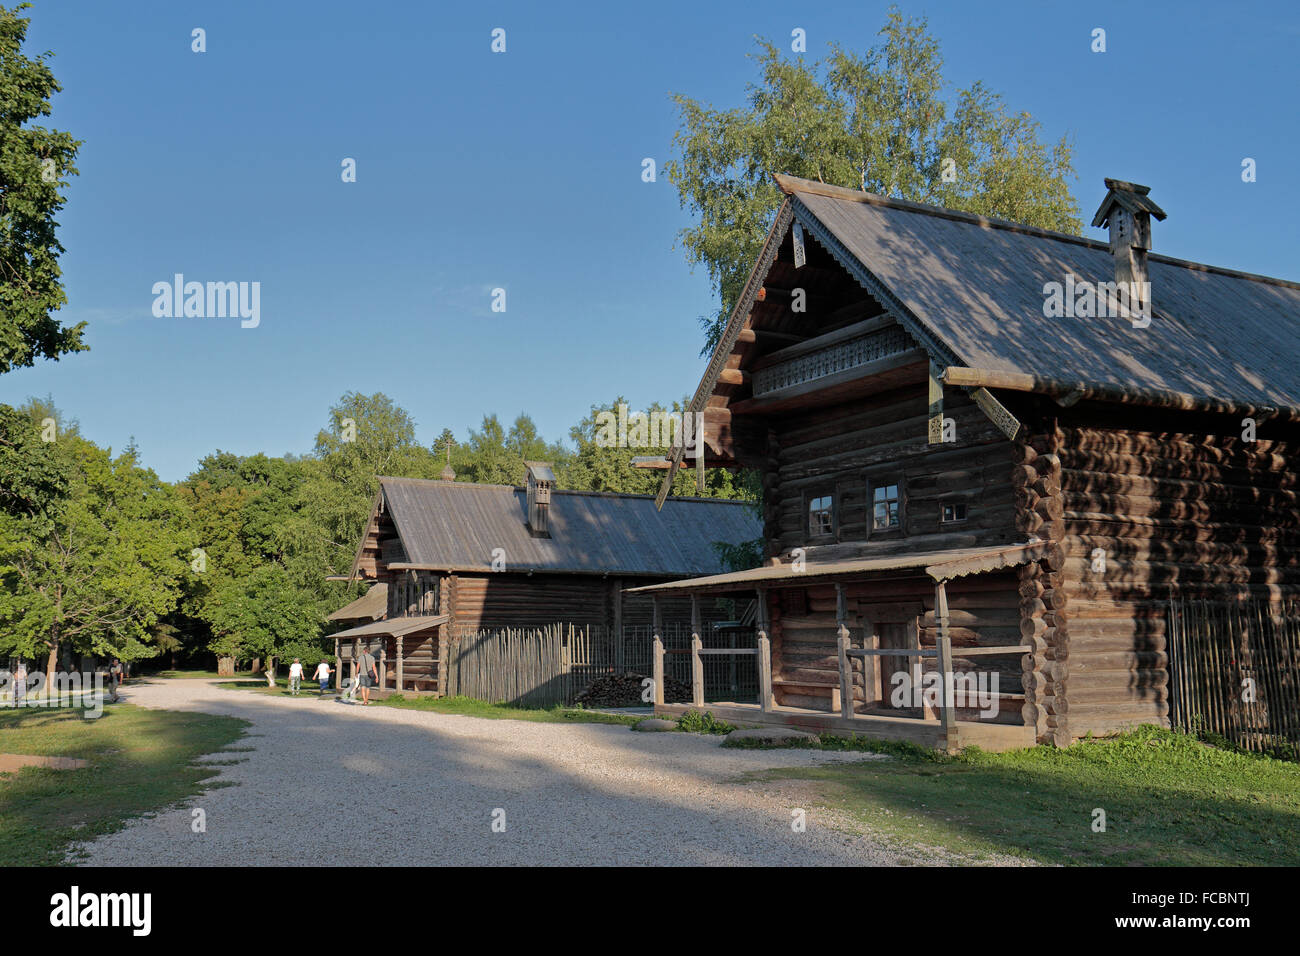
[522, 170]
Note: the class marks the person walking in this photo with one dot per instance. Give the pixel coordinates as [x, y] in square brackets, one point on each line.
[295, 677]
[323, 672]
[369, 674]
[20, 685]
[115, 677]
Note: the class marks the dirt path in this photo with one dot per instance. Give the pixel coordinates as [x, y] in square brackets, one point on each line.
[331, 784]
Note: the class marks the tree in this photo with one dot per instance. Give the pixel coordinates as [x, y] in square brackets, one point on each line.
[33, 163]
[34, 477]
[879, 121]
[368, 436]
[599, 465]
[97, 575]
[264, 615]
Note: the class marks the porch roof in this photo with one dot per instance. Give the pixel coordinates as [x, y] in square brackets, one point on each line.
[939, 565]
[395, 626]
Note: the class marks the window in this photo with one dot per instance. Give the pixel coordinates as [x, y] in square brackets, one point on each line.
[821, 516]
[956, 511]
[885, 509]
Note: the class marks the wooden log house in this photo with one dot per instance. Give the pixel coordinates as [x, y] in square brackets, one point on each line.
[965, 478]
[454, 556]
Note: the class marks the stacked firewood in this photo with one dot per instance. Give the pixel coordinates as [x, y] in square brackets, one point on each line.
[625, 690]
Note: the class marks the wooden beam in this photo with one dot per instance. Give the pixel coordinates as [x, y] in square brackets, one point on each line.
[997, 412]
[658, 664]
[400, 642]
[842, 643]
[936, 404]
[765, 702]
[697, 664]
[733, 376]
[943, 645]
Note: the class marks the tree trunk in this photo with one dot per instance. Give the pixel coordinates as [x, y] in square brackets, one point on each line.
[270, 672]
[51, 665]
[225, 666]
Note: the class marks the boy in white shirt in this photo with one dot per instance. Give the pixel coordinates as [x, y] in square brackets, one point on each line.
[295, 677]
[323, 672]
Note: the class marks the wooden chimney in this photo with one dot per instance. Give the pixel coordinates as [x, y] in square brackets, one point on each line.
[540, 480]
[1127, 210]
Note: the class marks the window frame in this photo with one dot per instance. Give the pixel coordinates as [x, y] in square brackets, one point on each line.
[885, 480]
[808, 499]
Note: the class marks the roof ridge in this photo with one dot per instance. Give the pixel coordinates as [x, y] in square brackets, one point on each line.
[519, 489]
[793, 184]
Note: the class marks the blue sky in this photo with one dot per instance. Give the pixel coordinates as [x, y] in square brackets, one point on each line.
[522, 170]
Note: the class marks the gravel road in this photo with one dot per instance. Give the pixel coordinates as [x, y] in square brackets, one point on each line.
[333, 784]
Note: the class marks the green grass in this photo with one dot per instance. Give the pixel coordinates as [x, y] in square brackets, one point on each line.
[140, 761]
[1169, 799]
[470, 707]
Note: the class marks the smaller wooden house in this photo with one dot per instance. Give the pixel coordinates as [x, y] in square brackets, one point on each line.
[452, 557]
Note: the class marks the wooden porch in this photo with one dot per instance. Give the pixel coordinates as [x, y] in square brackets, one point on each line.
[938, 711]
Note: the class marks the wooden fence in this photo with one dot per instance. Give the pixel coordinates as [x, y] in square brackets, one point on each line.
[551, 665]
[1235, 672]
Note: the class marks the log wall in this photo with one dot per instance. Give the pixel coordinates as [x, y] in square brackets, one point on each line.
[839, 449]
[1146, 506]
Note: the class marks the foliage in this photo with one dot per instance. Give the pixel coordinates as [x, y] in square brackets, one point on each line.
[34, 477]
[100, 573]
[599, 466]
[33, 163]
[882, 121]
[693, 722]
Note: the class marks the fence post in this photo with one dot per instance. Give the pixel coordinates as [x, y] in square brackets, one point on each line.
[697, 664]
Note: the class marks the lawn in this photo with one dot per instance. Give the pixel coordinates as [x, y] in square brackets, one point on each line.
[140, 761]
[1168, 798]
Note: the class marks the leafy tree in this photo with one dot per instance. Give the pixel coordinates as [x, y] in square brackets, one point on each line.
[34, 477]
[368, 436]
[264, 615]
[881, 121]
[99, 574]
[494, 456]
[599, 465]
[33, 162]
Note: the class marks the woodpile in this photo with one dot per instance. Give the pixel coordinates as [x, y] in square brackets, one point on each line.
[625, 690]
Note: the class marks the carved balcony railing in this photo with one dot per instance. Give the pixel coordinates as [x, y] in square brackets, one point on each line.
[832, 360]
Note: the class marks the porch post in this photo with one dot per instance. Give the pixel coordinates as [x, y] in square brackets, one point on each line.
[338, 665]
[658, 672]
[356, 655]
[383, 662]
[764, 655]
[943, 644]
[400, 643]
[846, 667]
[697, 665]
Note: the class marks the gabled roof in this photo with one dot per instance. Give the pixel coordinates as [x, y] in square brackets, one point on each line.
[973, 287]
[456, 525]
[371, 606]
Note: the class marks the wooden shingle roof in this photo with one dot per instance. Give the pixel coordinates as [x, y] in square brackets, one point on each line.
[454, 525]
[972, 288]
